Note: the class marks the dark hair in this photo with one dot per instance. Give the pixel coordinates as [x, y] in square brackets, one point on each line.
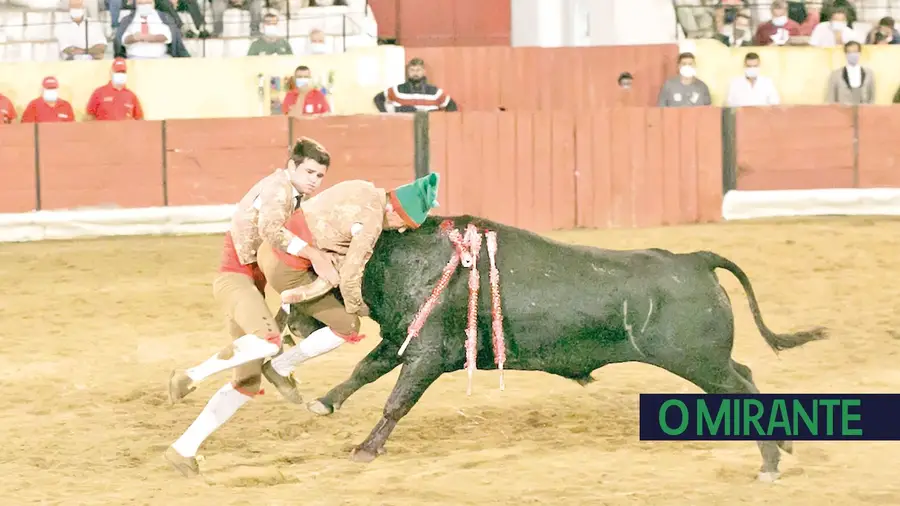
[887, 22]
[625, 75]
[852, 43]
[751, 56]
[686, 55]
[308, 148]
[270, 15]
[301, 67]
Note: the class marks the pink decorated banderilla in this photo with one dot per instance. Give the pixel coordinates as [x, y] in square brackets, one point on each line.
[466, 250]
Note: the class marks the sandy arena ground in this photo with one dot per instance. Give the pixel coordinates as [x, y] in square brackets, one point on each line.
[89, 331]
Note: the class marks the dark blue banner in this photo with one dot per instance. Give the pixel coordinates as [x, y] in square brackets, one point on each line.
[746, 417]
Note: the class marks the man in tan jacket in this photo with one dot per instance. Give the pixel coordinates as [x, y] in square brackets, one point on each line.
[344, 221]
[852, 84]
[239, 291]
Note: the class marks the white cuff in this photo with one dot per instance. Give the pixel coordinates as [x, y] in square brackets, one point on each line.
[296, 246]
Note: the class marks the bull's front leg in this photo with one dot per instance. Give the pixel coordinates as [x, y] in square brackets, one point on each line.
[380, 361]
[415, 377]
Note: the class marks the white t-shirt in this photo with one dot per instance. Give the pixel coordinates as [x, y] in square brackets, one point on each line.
[71, 34]
[147, 49]
[742, 93]
[823, 35]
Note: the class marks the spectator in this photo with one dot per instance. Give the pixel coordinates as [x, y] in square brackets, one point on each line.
[779, 30]
[113, 101]
[272, 41]
[48, 108]
[684, 90]
[846, 6]
[148, 33]
[7, 110]
[170, 7]
[884, 33]
[79, 37]
[739, 34]
[807, 16]
[834, 32]
[316, 44]
[220, 6]
[852, 84]
[313, 100]
[625, 80]
[752, 89]
[415, 94]
[725, 15]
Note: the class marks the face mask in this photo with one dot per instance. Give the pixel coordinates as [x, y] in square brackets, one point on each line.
[76, 13]
[730, 14]
[852, 58]
[780, 21]
[751, 72]
[144, 9]
[687, 71]
[318, 48]
[270, 30]
[301, 82]
[119, 78]
[838, 25]
[50, 95]
[626, 86]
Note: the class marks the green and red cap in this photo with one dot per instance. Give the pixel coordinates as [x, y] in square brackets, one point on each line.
[413, 201]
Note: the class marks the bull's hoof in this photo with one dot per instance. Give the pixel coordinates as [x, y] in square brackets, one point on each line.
[319, 408]
[786, 447]
[769, 477]
[362, 455]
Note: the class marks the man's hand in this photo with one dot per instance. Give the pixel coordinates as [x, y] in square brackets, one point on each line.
[324, 268]
[363, 310]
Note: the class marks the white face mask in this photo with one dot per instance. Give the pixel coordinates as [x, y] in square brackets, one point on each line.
[270, 31]
[76, 13]
[317, 48]
[144, 9]
[838, 25]
[687, 71]
[50, 95]
[301, 82]
[751, 72]
[119, 78]
[780, 21]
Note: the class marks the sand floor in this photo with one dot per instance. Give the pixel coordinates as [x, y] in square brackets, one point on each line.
[90, 329]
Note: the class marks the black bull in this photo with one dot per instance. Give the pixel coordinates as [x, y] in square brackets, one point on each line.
[568, 310]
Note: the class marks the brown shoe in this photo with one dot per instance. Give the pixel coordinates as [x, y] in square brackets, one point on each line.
[285, 384]
[185, 465]
[180, 384]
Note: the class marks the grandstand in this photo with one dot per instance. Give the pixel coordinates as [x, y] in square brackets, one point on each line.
[28, 28]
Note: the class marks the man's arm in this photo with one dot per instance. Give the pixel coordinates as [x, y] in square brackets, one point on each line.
[276, 205]
[358, 255]
[663, 99]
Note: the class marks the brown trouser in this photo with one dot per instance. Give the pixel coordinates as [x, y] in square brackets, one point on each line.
[246, 312]
[327, 309]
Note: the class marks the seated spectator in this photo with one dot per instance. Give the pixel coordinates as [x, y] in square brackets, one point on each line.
[148, 33]
[113, 101]
[739, 32]
[80, 38]
[752, 89]
[48, 108]
[780, 30]
[833, 32]
[220, 6]
[625, 80]
[852, 84]
[316, 44]
[725, 14]
[884, 33]
[7, 110]
[170, 7]
[416, 94]
[272, 41]
[806, 13]
[684, 90]
[304, 98]
[847, 6]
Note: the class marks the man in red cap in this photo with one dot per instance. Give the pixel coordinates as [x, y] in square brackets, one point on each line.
[113, 101]
[49, 108]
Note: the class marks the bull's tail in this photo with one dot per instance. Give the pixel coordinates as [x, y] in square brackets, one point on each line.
[777, 342]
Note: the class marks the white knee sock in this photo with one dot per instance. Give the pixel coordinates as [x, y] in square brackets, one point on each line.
[246, 349]
[222, 406]
[318, 343]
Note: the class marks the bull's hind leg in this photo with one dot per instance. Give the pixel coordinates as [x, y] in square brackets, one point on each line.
[380, 361]
[415, 377]
[727, 380]
[747, 375]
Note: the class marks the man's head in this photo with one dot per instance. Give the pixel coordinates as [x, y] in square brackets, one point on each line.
[779, 13]
[751, 65]
[143, 7]
[118, 73]
[415, 71]
[886, 28]
[852, 50]
[302, 76]
[50, 89]
[625, 80]
[408, 205]
[317, 42]
[686, 65]
[307, 165]
[76, 10]
[270, 26]
[838, 19]
[742, 27]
